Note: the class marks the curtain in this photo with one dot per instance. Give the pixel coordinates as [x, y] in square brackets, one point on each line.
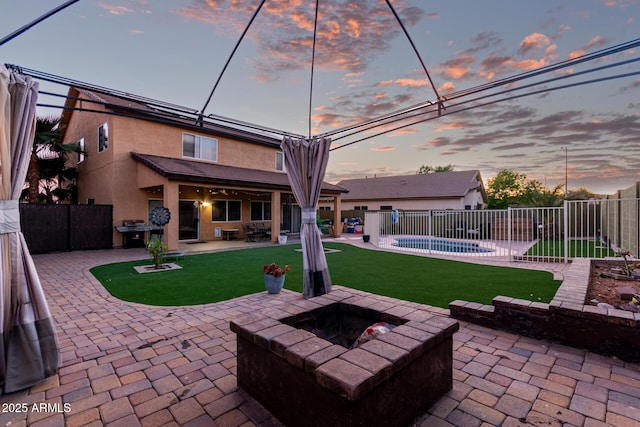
[28, 349]
[306, 162]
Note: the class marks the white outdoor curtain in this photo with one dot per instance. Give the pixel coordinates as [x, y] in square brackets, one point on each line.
[28, 350]
[306, 162]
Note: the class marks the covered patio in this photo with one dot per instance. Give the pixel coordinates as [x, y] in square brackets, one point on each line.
[210, 202]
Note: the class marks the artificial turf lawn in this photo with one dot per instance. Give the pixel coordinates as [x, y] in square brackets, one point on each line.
[577, 248]
[220, 276]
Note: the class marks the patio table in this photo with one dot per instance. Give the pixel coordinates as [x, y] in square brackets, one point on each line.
[228, 233]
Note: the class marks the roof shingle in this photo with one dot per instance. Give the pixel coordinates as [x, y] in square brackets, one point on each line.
[420, 186]
[213, 173]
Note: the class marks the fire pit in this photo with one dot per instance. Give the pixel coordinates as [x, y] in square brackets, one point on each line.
[303, 369]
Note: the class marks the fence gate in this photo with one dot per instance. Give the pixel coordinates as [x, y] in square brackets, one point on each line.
[53, 228]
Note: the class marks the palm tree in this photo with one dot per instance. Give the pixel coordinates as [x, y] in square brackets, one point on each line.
[48, 163]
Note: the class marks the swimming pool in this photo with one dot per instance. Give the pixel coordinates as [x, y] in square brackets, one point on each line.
[439, 245]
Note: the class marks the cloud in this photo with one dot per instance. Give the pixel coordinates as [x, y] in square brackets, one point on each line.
[116, 9]
[384, 148]
[515, 146]
[349, 36]
[404, 82]
[457, 68]
[132, 7]
[439, 141]
[534, 41]
[595, 43]
[136, 32]
[447, 87]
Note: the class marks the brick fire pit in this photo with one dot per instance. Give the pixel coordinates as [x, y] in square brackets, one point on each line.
[301, 369]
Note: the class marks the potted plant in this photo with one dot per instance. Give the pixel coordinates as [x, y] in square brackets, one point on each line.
[274, 277]
[157, 250]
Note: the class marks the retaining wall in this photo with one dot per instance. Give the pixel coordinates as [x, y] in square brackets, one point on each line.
[565, 319]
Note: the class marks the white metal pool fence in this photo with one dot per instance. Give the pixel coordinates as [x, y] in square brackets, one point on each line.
[579, 229]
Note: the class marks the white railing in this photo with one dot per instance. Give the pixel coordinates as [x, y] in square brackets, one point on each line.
[592, 228]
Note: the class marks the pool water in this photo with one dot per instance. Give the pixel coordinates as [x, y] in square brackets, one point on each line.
[439, 245]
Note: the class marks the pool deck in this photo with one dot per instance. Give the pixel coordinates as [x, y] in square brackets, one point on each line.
[125, 364]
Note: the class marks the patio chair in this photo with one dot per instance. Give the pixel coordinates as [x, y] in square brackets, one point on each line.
[250, 232]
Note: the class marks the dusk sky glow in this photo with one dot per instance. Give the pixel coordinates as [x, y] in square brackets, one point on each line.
[365, 67]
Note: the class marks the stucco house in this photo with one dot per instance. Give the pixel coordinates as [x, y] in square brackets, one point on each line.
[217, 180]
[439, 191]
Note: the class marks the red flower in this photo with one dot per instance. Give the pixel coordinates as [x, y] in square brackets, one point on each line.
[275, 270]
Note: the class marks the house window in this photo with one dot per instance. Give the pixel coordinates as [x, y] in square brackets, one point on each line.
[80, 152]
[226, 210]
[103, 137]
[324, 208]
[386, 208]
[280, 161]
[199, 147]
[260, 211]
[362, 208]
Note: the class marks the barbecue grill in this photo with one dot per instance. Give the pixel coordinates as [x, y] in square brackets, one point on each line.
[133, 232]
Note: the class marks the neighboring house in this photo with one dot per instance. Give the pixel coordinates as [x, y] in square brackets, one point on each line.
[215, 180]
[439, 191]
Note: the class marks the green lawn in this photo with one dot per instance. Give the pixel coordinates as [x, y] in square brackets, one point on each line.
[577, 248]
[220, 276]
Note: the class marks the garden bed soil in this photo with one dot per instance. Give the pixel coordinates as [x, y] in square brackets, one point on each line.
[603, 288]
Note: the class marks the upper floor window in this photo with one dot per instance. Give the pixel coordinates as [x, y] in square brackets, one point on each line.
[199, 147]
[80, 152]
[280, 161]
[103, 137]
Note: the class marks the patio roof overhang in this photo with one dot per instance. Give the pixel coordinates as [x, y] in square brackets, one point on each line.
[215, 174]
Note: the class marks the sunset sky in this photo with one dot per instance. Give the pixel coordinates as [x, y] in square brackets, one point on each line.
[174, 51]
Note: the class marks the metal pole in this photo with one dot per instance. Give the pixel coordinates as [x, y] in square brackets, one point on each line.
[566, 175]
[35, 22]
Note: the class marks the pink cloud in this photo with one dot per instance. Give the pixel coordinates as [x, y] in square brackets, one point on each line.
[349, 34]
[116, 9]
[534, 41]
[458, 67]
[384, 148]
[595, 42]
[447, 87]
[138, 6]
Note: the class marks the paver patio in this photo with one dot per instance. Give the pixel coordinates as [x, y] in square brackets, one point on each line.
[125, 364]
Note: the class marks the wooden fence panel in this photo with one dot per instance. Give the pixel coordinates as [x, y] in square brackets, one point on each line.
[91, 227]
[54, 228]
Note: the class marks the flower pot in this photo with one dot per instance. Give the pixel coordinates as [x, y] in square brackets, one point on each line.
[365, 238]
[282, 239]
[273, 284]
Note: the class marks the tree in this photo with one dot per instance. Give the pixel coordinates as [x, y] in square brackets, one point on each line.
[537, 194]
[47, 170]
[434, 169]
[580, 194]
[505, 189]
